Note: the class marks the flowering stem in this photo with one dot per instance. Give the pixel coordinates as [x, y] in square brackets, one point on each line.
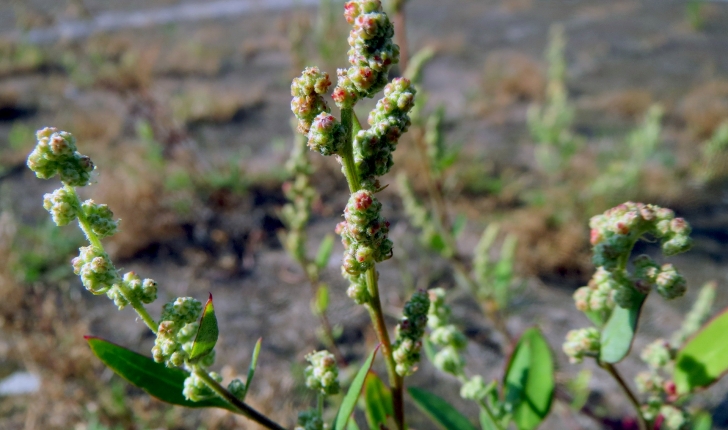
[642, 423]
[96, 243]
[351, 126]
[242, 407]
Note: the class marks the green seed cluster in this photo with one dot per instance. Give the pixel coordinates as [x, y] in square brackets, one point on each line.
[55, 153]
[196, 390]
[322, 375]
[364, 233]
[177, 329]
[357, 290]
[452, 341]
[371, 55]
[388, 121]
[326, 134]
[406, 349]
[308, 102]
[136, 290]
[236, 388]
[310, 420]
[582, 343]
[598, 295]
[62, 206]
[96, 270]
[614, 233]
[100, 218]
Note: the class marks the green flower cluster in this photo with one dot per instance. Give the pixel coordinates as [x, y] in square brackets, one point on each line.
[452, 341]
[136, 289]
[310, 420]
[56, 153]
[388, 121]
[176, 333]
[364, 234]
[63, 207]
[582, 343]
[598, 295]
[371, 55]
[195, 388]
[308, 102]
[614, 233]
[96, 270]
[322, 375]
[406, 349]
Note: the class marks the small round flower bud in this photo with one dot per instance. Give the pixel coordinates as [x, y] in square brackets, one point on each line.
[326, 134]
[100, 217]
[657, 354]
[323, 372]
[184, 310]
[62, 206]
[237, 388]
[674, 418]
[307, 100]
[670, 284]
[449, 360]
[474, 389]
[581, 343]
[195, 388]
[95, 269]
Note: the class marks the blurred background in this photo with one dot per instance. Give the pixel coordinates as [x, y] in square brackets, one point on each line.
[553, 111]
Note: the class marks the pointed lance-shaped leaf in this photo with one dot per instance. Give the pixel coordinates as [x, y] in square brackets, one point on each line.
[618, 333]
[349, 402]
[207, 332]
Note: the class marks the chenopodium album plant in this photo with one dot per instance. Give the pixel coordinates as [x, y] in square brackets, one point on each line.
[692, 360]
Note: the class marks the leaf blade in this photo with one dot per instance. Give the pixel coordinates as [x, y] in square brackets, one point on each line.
[378, 401]
[618, 333]
[158, 380]
[349, 402]
[704, 358]
[207, 332]
[439, 410]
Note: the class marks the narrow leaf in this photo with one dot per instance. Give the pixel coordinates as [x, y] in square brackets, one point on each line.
[529, 380]
[322, 299]
[618, 333]
[324, 251]
[486, 423]
[459, 225]
[251, 368]
[704, 358]
[347, 406]
[156, 379]
[207, 332]
[378, 401]
[702, 421]
[439, 410]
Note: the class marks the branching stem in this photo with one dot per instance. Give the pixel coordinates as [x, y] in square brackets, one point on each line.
[643, 425]
[96, 243]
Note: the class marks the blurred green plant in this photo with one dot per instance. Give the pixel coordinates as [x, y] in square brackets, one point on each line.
[713, 163]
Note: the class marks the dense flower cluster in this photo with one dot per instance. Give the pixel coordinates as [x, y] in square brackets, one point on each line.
[409, 333]
[452, 341]
[364, 233]
[135, 289]
[308, 102]
[176, 333]
[388, 121]
[195, 388]
[322, 375]
[56, 153]
[582, 343]
[96, 270]
[371, 55]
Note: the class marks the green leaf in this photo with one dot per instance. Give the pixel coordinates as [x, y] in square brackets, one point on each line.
[352, 425]
[207, 332]
[486, 423]
[324, 251]
[529, 380]
[618, 333]
[702, 421]
[347, 406]
[378, 401]
[459, 225]
[251, 368]
[439, 410]
[704, 358]
[322, 299]
[156, 379]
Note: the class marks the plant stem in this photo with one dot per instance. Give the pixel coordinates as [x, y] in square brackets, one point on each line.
[351, 125]
[242, 407]
[96, 243]
[643, 425]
